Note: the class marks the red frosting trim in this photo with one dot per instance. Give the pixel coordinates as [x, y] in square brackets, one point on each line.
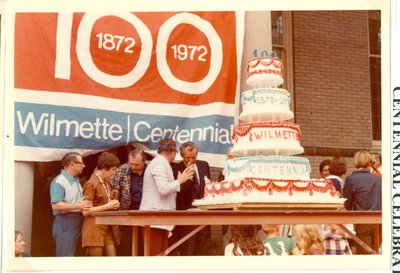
[264, 71]
[249, 184]
[266, 61]
[244, 128]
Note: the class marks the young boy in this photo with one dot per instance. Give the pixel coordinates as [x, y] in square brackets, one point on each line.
[276, 245]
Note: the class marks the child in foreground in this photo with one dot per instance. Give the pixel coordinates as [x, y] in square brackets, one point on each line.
[244, 242]
[336, 242]
[276, 245]
[309, 240]
[20, 245]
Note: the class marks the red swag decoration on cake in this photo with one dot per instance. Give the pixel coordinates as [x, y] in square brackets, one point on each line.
[249, 184]
[265, 62]
[277, 63]
[244, 128]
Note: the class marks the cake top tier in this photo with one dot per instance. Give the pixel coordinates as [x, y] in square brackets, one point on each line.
[264, 72]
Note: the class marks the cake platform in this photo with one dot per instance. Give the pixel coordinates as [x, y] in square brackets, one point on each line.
[273, 206]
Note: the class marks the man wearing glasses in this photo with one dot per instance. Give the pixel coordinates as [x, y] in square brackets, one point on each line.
[67, 203]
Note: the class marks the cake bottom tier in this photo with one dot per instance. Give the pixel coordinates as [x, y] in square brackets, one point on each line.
[262, 190]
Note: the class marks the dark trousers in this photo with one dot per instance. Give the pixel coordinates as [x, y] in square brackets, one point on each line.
[365, 232]
[125, 247]
[197, 245]
[67, 232]
[158, 241]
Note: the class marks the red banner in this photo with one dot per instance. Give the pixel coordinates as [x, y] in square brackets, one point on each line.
[139, 56]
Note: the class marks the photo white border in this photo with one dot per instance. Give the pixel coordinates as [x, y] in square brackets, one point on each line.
[210, 262]
[395, 85]
[2, 117]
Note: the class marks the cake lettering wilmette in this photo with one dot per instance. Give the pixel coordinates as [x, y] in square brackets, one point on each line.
[265, 169]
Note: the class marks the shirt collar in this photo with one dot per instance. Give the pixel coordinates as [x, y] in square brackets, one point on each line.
[362, 170]
[130, 172]
[69, 177]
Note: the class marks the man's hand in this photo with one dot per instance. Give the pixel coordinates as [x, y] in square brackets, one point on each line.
[113, 205]
[84, 204]
[187, 174]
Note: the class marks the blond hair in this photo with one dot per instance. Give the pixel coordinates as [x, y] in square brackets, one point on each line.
[306, 235]
[271, 228]
[333, 228]
[362, 159]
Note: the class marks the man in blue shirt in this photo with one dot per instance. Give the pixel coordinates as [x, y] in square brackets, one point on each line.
[129, 179]
[67, 203]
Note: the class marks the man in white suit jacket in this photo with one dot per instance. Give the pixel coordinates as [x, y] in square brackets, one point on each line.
[159, 190]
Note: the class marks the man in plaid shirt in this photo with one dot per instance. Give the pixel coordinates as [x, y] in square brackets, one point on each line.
[335, 242]
[128, 179]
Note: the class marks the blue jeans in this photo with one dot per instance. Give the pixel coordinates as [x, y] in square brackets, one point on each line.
[66, 232]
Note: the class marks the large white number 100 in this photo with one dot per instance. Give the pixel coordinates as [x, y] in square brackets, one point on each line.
[63, 62]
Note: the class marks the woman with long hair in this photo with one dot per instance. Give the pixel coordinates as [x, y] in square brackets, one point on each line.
[309, 240]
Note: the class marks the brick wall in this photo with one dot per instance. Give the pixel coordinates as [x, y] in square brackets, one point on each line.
[331, 78]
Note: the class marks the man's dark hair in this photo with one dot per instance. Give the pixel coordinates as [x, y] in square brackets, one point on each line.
[166, 145]
[68, 158]
[190, 145]
[135, 152]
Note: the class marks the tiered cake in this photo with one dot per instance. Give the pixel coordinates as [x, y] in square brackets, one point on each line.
[264, 169]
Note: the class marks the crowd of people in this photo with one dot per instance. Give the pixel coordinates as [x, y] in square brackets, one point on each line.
[134, 185]
[163, 185]
[362, 190]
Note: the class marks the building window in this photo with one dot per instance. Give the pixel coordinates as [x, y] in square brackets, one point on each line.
[278, 44]
[282, 44]
[374, 27]
[277, 28]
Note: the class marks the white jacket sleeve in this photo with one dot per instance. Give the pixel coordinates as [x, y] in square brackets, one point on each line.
[165, 184]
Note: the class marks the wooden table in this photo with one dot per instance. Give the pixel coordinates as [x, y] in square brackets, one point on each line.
[228, 217]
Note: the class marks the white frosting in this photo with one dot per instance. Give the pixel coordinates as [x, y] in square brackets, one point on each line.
[265, 198]
[265, 104]
[274, 167]
[264, 72]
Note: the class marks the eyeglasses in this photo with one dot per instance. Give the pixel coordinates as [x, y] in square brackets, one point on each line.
[78, 162]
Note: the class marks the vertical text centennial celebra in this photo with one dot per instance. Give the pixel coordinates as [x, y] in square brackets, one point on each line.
[396, 181]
